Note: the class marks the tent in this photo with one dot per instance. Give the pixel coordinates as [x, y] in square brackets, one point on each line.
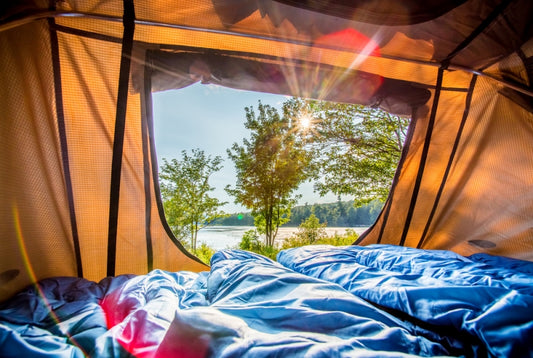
[79, 181]
[80, 199]
[79, 184]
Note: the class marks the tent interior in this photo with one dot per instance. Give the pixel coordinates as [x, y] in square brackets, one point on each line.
[81, 201]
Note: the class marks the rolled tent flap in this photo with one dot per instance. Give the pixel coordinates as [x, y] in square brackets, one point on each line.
[173, 70]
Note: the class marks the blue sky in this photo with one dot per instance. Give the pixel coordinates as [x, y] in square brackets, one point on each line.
[211, 118]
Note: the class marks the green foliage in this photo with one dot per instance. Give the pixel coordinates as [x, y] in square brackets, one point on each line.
[356, 149]
[238, 219]
[281, 215]
[298, 240]
[185, 191]
[204, 253]
[338, 214]
[342, 213]
[311, 229]
[294, 241]
[348, 238]
[250, 242]
[270, 166]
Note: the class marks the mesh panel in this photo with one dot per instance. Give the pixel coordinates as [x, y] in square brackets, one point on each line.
[35, 228]
[487, 199]
[90, 89]
[89, 94]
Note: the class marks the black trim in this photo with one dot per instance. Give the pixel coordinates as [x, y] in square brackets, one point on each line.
[388, 203]
[153, 160]
[118, 142]
[423, 158]
[449, 89]
[528, 65]
[87, 34]
[468, 102]
[146, 105]
[477, 31]
[54, 44]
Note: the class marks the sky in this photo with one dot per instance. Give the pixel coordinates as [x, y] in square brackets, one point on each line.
[211, 118]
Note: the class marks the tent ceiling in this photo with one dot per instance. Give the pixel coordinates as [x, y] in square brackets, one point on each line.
[383, 12]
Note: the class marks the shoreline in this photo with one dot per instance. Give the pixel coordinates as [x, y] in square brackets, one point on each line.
[220, 237]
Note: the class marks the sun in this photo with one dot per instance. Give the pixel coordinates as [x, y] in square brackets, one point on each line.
[305, 121]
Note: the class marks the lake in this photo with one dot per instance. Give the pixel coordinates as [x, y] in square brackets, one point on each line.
[222, 237]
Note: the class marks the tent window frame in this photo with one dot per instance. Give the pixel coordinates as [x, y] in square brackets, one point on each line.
[150, 156]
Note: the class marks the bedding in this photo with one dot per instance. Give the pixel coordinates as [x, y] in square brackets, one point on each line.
[316, 301]
[486, 301]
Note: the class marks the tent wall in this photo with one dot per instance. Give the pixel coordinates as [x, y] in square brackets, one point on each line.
[35, 225]
[486, 198]
[38, 234]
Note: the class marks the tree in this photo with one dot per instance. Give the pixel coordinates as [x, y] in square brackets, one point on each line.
[185, 191]
[356, 149]
[270, 166]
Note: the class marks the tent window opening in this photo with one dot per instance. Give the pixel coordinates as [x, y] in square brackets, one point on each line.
[202, 101]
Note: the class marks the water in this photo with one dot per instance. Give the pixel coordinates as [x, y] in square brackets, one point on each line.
[222, 237]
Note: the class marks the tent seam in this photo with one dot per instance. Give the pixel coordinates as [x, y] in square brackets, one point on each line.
[423, 158]
[118, 141]
[60, 114]
[458, 136]
[145, 112]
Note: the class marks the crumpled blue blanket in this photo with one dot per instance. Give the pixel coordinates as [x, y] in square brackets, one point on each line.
[248, 306]
[485, 301]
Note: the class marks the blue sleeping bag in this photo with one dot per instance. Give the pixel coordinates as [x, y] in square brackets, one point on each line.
[483, 300]
[318, 301]
[246, 306]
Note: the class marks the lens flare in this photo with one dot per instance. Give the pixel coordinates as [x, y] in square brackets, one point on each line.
[327, 81]
[22, 245]
[33, 277]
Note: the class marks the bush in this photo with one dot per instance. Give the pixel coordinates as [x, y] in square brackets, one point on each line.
[311, 230]
[294, 241]
[204, 253]
[251, 242]
[336, 240]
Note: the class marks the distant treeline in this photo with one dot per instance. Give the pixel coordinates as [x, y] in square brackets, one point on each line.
[338, 214]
